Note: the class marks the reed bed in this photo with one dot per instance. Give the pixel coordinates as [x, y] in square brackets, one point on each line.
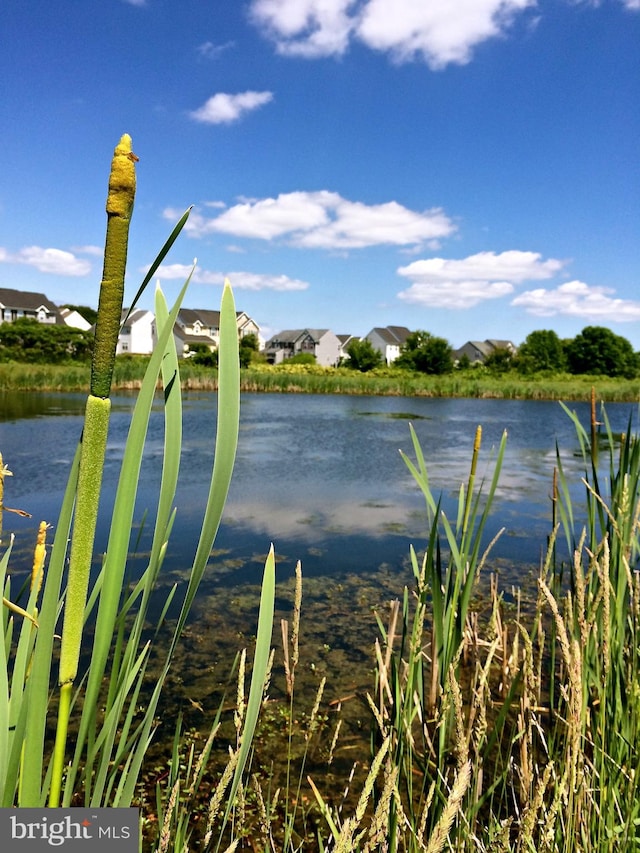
[491, 727]
[473, 384]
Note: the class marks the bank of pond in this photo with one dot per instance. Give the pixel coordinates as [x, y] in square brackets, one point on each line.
[475, 383]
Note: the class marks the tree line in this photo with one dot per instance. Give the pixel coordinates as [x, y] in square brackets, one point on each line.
[595, 351]
[42, 343]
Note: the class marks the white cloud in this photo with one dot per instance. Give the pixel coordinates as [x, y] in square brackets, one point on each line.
[240, 280]
[324, 220]
[577, 299]
[223, 108]
[439, 32]
[94, 251]
[210, 50]
[459, 284]
[631, 5]
[275, 217]
[309, 28]
[260, 281]
[54, 261]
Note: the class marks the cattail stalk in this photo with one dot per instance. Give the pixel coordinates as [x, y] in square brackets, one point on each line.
[121, 193]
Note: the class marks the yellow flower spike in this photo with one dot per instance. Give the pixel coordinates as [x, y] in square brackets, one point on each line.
[39, 553]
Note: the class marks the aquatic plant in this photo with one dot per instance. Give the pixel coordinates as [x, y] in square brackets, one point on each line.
[111, 732]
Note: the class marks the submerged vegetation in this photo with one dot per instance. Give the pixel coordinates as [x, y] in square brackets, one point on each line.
[490, 726]
[482, 726]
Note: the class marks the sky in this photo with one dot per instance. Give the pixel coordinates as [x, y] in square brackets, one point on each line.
[465, 167]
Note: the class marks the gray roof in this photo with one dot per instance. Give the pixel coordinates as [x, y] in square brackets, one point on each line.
[401, 333]
[133, 317]
[189, 316]
[290, 336]
[25, 300]
[392, 335]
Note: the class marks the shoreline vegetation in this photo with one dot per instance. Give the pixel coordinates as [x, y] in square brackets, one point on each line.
[311, 379]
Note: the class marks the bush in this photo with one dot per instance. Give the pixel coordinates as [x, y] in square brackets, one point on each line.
[39, 343]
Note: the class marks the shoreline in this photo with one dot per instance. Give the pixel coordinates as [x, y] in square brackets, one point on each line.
[470, 384]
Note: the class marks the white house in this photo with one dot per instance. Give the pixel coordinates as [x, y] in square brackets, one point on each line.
[196, 326]
[388, 341]
[18, 304]
[74, 319]
[138, 334]
[345, 340]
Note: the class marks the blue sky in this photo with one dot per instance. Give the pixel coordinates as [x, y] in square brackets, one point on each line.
[467, 167]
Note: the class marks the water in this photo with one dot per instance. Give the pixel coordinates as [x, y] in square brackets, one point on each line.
[320, 476]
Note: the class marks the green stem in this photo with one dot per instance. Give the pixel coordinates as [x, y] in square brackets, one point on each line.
[57, 766]
[122, 185]
[94, 443]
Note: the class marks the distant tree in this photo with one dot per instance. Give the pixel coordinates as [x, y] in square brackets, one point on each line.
[42, 343]
[89, 314]
[464, 362]
[599, 351]
[541, 350]
[425, 353]
[362, 355]
[201, 354]
[249, 346]
[500, 360]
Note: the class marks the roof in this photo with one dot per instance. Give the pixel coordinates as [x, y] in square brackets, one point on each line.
[391, 335]
[497, 344]
[136, 315]
[401, 333]
[189, 316]
[10, 298]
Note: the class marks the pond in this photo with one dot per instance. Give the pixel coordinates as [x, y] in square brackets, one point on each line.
[322, 478]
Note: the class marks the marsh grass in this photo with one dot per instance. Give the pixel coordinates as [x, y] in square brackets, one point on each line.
[129, 371]
[492, 729]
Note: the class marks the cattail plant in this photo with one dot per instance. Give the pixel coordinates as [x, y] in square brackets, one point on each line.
[110, 731]
[120, 198]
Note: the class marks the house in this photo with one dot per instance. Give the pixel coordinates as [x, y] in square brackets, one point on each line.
[138, 334]
[18, 304]
[345, 340]
[74, 319]
[478, 351]
[388, 341]
[322, 343]
[195, 327]
[247, 326]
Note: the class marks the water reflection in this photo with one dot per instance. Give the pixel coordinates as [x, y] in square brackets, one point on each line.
[320, 476]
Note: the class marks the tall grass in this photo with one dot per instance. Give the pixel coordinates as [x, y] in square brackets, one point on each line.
[129, 371]
[492, 729]
[540, 717]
